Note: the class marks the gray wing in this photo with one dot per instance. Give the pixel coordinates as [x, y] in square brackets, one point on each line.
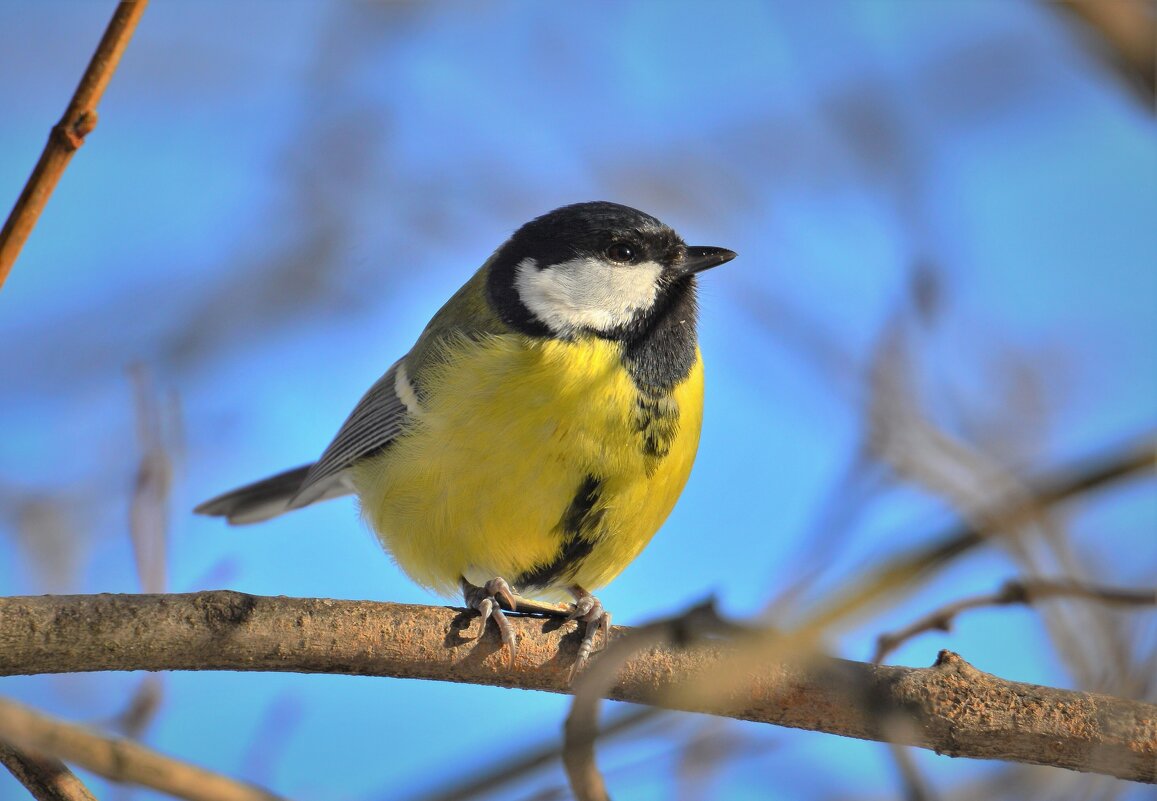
[377, 419]
[262, 499]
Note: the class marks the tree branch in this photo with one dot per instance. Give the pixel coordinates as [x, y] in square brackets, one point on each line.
[120, 759]
[45, 778]
[595, 683]
[1023, 591]
[78, 121]
[1125, 32]
[1135, 461]
[950, 707]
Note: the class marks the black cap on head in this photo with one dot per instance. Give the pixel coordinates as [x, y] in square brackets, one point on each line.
[584, 229]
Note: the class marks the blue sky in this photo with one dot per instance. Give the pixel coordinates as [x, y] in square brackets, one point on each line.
[277, 199]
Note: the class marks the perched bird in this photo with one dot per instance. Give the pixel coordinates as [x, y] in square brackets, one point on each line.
[541, 428]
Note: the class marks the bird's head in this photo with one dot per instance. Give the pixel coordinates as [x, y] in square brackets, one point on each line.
[593, 268]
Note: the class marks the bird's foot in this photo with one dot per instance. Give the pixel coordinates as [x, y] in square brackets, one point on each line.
[588, 609]
[485, 600]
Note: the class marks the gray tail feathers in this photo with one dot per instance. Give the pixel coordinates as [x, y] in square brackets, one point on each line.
[269, 497]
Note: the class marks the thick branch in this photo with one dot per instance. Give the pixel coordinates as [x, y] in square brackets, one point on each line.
[951, 707]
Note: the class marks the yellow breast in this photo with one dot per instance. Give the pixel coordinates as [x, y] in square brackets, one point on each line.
[514, 437]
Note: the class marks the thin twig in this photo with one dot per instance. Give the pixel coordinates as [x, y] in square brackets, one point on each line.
[78, 121]
[1136, 460]
[45, 778]
[914, 784]
[120, 759]
[1026, 591]
[528, 760]
[152, 484]
[972, 473]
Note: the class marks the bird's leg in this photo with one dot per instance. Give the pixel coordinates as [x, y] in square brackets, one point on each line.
[589, 610]
[485, 600]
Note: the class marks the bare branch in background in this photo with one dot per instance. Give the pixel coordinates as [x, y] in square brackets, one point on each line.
[158, 438]
[593, 684]
[78, 121]
[1125, 31]
[922, 450]
[119, 759]
[915, 786]
[529, 759]
[152, 485]
[142, 706]
[888, 580]
[713, 743]
[45, 778]
[1027, 592]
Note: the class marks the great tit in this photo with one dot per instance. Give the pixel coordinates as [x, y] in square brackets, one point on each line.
[541, 428]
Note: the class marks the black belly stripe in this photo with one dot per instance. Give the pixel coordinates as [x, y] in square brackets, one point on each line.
[579, 530]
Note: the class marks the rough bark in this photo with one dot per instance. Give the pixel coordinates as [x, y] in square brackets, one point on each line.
[951, 707]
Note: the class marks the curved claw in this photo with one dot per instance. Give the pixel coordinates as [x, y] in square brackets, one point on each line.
[486, 608]
[498, 588]
[588, 610]
[485, 600]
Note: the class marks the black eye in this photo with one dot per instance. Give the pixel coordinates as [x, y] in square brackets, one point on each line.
[621, 252]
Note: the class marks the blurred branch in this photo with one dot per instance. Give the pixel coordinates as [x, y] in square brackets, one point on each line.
[916, 787]
[970, 465]
[1126, 31]
[45, 778]
[1025, 592]
[594, 683]
[1137, 459]
[529, 758]
[78, 121]
[119, 759]
[152, 484]
[581, 728]
[951, 707]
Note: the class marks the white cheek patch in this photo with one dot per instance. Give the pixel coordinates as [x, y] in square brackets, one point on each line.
[586, 293]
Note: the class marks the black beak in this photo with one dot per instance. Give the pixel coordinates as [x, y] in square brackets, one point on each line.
[700, 258]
